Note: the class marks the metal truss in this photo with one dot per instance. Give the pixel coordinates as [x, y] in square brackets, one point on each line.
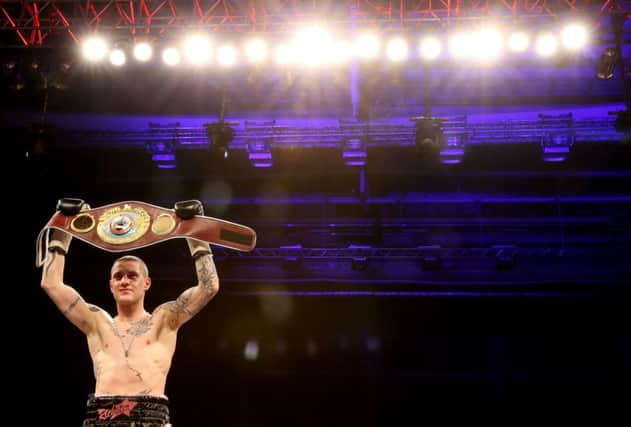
[394, 133]
[418, 253]
[61, 22]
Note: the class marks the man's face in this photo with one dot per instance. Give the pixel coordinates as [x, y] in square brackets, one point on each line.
[128, 282]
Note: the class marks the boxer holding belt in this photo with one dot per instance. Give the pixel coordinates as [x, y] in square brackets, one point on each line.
[132, 351]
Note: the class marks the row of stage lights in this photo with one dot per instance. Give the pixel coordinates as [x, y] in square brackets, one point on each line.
[316, 47]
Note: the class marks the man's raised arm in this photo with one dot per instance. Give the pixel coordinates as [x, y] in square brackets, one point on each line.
[192, 300]
[65, 297]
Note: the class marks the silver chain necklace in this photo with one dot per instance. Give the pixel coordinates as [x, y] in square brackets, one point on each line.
[136, 329]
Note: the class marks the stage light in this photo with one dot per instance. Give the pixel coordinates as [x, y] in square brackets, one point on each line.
[220, 136]
[397, 50]
[505, 257]
[518, 42]
[162, 154]
[171, 56]
[557, 136]
[453, 151]
[94, 49]
[226, 56]
[260, 153]
[607, 64]
[429, 136]
[367, 46]
[546, 45]
[143, 51]
[117, 57]
[574, 36]
[256, 51]
[197, 49]
[292, 257]
[430, 48]
[312, 46]
[59, 74]
[354, 153]
[487, 45]
[359, 257]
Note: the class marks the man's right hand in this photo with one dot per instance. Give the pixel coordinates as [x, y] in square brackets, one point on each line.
[59, 241]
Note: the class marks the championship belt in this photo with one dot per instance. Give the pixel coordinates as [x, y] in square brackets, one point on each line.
[124, 226]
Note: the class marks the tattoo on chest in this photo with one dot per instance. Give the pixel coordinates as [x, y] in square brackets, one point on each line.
[140, 327]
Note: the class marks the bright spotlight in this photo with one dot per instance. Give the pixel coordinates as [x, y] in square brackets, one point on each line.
[547, 45]
[143, 52]
[197, 49]
[117, 57]
[460, 45]
[397, 50]
[312, 46]
[574, 36]
[488, 44]
[256, 51]
[94, 49]
[367, 46]
[171, 56]
[430, 48]
[518, 42]
[226, 56]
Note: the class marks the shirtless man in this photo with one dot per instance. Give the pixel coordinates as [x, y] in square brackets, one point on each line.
[132, 352]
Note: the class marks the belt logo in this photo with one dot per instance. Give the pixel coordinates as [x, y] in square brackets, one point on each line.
[125, 407]
[120, 225]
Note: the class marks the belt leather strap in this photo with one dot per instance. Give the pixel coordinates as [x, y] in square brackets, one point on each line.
[129, 225]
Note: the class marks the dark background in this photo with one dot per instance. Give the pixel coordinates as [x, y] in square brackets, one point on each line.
[386, 345]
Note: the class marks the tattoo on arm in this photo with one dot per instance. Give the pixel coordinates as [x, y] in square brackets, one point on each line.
[192, 301]
[206, 273]
[181, 304]
[94, 308]
[71, 306]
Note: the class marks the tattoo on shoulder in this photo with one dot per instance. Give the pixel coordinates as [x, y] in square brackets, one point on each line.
[94, 308]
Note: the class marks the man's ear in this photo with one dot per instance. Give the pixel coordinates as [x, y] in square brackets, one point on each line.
[147, 283]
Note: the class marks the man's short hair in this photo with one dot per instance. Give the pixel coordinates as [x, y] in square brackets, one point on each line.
[144, 267]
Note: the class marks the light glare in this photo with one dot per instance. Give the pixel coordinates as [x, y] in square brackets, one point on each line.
[574, 36]
[430, 48]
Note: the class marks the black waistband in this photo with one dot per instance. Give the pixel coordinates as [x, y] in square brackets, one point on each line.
[125, 410]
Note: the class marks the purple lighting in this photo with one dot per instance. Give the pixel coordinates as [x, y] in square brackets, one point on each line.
[260, 154]
[555, 154]
[162, 154]
[354, 153]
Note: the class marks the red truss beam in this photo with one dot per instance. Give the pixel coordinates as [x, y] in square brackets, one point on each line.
[41, 23]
